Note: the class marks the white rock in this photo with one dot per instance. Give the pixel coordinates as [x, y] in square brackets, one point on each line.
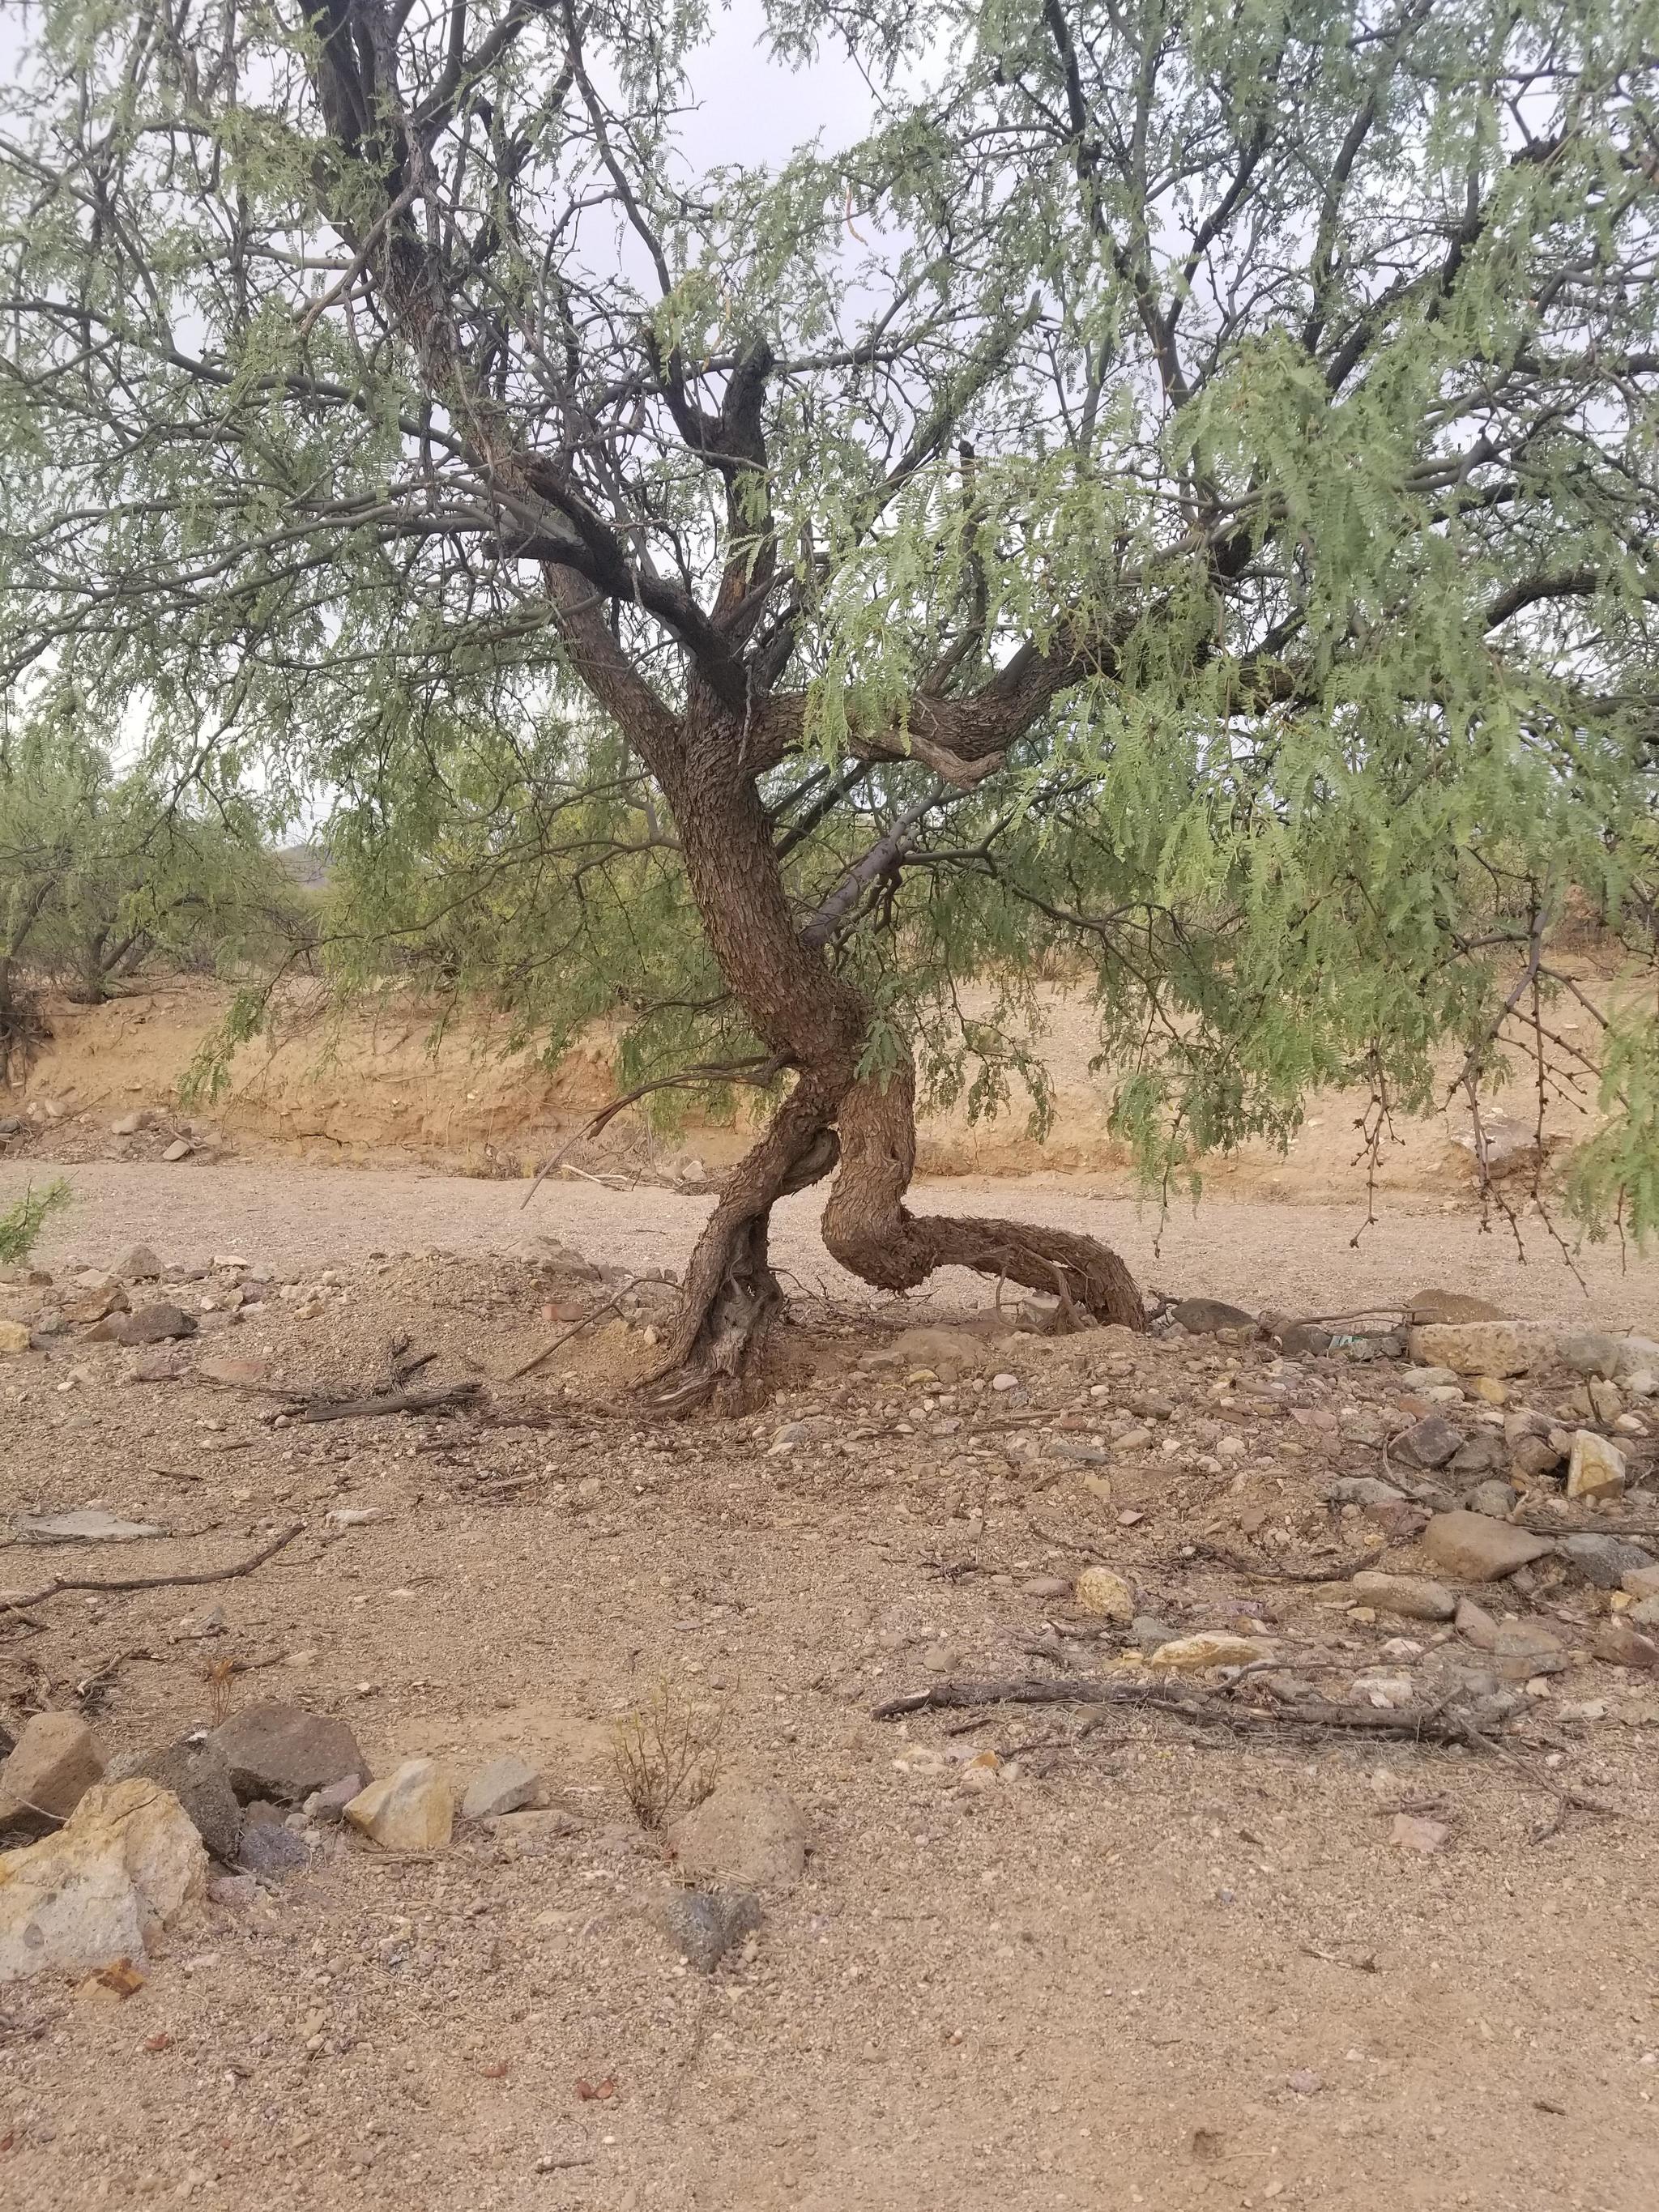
[126, 1862]
[412, 1810]
[1596, 1469]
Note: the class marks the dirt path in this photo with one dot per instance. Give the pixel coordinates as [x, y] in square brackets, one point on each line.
[1295, 1258]
[1150, 1966]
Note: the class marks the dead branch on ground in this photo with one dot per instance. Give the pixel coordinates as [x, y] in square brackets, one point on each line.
[23, 1599]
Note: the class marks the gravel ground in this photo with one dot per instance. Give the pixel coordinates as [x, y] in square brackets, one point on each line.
[1294, 1258]
[1148, 1965]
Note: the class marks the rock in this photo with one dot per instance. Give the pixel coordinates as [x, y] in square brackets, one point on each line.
[506, 1786]
[127, 1862]
[703, 1925]
[272, 1849]
[1415, 1831]
[1427, 1443]
[54, 1763]
[180, 1149]
[1533, 1456]
[1483, 1453]
[412, 1810]
[88, 1525]
[128, 1125]
[156, 1367]
[1189, 1655]
[1473, 1549]
[14, 1337]
[756, 1838]
[1148, 1634]
[1429, 1306]
[1644, 1613]
[1303, 1340]
[1640, 1582]
[1615, 1641]
[283, 1752]
[1046, 1586]
[1493, 1498]
[1489, 1390]
[1497, 1348]
[1588, 1352]
[533, 1835]
[1364, 1490]
[330, 1804]
[1522, 1649]
[1606, 1401]
[1207, 1316]
[236, 1374]
[96, 1305]
[1411, 1597]
[1604, 1561]
[1596, 1468]
[194, 1769]
[1638, 1355]
[1098, 1590]
[140, 1265]
[153, 1324]
[948, 1352]
[1474, 1622]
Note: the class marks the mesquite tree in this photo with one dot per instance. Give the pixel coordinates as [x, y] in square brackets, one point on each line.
[1177, 494]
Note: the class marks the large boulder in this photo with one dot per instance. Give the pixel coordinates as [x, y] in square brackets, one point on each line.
[284, 1753]
[126, 1862]
[55, 1762]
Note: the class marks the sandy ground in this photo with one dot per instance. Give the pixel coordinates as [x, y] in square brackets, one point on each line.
[1299, 1259]
[1160, 1967]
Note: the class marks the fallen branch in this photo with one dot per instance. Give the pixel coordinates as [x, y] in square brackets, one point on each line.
[529, 1366]
[59, 1583]
[1434, 1726]
[386, 1401]
[1340, 1573]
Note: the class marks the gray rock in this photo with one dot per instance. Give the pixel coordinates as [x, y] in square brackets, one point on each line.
[1589, 1352]
[1205, 1316]
[506, 1786]
[756, 1838]
[1483, 1453]
[282, 1752]
[159, 1323]
[272, 1849]
[1474, 1622]
[1604, 1561]
[1533, 1456]
[705, 1923]
[50, 1768]
[140, 1265]
[330, 1804]
[194, 1769]
[180, 1149]
[1427, 1443]
[1494, 1499]
[1638, 1355]
[1364, 1490]
[1473, 1549]
[1304, 1340]
[1522, 1649]
[1148, 1633]
[1644, 1613]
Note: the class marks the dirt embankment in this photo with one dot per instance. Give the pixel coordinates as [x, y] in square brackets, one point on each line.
[400, 1081]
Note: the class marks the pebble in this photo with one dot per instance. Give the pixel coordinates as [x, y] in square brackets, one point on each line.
[1098, 1591]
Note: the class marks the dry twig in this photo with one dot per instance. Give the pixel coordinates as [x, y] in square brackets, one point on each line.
[60, 1582]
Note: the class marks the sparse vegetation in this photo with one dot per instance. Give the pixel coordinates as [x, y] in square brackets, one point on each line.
[22, 1223]
[667, 1754]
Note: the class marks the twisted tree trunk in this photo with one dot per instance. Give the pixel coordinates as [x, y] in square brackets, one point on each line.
[860, 1127]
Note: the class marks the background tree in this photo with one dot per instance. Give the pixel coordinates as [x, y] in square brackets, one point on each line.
[101, 872]
[1179, 490]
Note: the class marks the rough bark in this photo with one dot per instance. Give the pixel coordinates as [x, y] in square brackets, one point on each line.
[834, 1118]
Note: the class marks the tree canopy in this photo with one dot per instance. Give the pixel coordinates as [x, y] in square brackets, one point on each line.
[1174, 495]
